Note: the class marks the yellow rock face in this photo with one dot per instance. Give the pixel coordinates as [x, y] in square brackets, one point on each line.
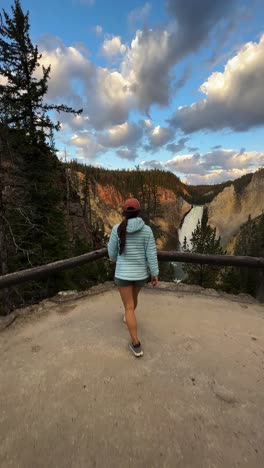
[229, 210]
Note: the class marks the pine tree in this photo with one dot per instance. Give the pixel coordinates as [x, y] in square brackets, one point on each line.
[250, 241]
[22, 93]
[204, 241]
[34, 221]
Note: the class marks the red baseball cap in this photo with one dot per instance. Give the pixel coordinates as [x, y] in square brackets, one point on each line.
[131, 204]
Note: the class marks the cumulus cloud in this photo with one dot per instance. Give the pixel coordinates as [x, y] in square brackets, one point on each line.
[148, 63]
[222, 159]
[186, 164]
[112, 47]
[68, 64]
[143, 76]
[192, 149]
[75, 123]
[153, 164]
[215, 177]
[110, 99]
[140, 78]
[104, 94]
[146, 67]
[127, 153]
[234, 98]
[159, 136]
[212, 167]
[195, 20]
[177, 147]
[121, 135]
[86, 145]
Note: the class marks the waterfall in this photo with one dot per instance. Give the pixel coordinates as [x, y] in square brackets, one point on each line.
[189, 224]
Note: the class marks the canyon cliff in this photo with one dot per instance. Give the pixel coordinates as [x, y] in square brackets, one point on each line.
[232, 207]
[106, 209]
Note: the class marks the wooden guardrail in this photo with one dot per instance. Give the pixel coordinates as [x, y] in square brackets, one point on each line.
[23, 276]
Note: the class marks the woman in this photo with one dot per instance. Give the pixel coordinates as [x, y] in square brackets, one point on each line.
[132, 247]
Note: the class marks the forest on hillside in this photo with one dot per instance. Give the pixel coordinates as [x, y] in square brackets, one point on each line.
[135, 182]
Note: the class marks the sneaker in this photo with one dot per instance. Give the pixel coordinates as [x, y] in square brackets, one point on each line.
[136, 350]
[124, 319]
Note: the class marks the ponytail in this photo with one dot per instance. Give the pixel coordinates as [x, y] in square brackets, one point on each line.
[122, 229]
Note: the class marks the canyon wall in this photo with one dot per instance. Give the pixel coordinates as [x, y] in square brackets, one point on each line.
[231, 208]
[106, 208]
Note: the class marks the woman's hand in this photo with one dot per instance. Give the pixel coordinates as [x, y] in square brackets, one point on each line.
[154, 280]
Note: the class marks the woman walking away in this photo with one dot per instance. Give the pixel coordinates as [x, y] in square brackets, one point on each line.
[132, 247]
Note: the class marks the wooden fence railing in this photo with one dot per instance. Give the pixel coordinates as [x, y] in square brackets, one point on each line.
[172, 256]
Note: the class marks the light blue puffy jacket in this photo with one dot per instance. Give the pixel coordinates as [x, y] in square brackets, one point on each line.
[139, 254]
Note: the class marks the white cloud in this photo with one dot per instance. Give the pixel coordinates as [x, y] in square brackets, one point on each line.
[112, 47]
[153, 164]
[215, 177]
[221, 159]
[159, 136]
[143, 75]
[127, 153]
[213, 167]
[86, 145]
[147, 124]
[110, 99]
[177, 147]
[185, 164]
[234, 98]
[75, 122]
[104, 94]
[67, 64]
[146, 67]
[140, 78]
[120, 135]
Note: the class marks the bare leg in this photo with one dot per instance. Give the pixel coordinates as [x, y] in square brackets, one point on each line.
[136, 290]
[127, 297]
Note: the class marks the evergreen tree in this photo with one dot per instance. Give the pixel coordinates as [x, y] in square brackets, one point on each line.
[34, 221]
[250, 241]
[22, 93]
[204, 241]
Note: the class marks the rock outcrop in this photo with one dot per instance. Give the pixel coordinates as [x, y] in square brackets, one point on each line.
[231, 208]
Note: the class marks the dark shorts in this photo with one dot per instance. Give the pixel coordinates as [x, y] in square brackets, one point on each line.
[123, 283]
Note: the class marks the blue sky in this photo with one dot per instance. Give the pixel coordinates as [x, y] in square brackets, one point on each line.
[174, 84]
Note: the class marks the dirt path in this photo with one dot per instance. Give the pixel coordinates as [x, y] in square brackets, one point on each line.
[71, 395]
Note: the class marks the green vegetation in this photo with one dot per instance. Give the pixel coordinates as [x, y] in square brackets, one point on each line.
[249, 241]
[34, 227]
[137, 180]
[128, 181]
[204, 241]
